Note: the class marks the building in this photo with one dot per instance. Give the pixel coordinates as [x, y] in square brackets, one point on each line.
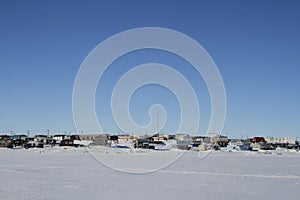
[199, 138]
[259, 140]
[5, 141]
[180, 136]
[220, 140]
[44, 139]
[125, 137]
[204, 147]
[144, 143]
[261, 146]
[185, 143]
[59, 137]
[101, 140]
[284, 140]
[91, 137]
[238, 145]
[66, 142]
[34, 144]
[159, 138]
[18, 137]
[213, 135]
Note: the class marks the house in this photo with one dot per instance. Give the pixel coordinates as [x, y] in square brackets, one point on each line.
[199, 138]
[185, 143]
[29, 139]
[72, 140]
[101, 140]
[5, 141]
[195, 144]
[59, 137]
[179, 136]
[204, 147]
[66, 142]
[74, 137]
[159, 145]
[160, 137]
[172, 137]
[213, 138]
[18, 140]
[259, 140]
[126, 140]
[213, 135]
[261, 146]
[86, 140]
[34, 144]
[112, 140]
[82, 143]
[18, 137]
[220, 140]
[284, 140]
[44, 139]
[150, 143]
[238, 145]
[125, 137]
[144, 143]
[204, 139]
[18, 143]
[91, 137]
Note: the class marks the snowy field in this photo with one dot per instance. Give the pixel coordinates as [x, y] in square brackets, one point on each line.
[71, 173]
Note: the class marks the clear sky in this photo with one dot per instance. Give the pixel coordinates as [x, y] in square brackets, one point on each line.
[255, 44]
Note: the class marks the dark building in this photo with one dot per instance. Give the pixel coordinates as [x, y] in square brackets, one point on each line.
[259, 139]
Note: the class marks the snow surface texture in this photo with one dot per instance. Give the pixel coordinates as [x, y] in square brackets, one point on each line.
[69, 173]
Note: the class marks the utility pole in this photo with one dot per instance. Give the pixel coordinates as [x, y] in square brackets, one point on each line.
[158, 121]
[48, 131]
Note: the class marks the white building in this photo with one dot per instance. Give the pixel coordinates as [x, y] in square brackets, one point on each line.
[213, 135]
[284, 140]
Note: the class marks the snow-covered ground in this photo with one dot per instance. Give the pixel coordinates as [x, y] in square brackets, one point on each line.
[70, 173]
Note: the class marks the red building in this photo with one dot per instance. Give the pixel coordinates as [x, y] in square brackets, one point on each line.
[259, 139]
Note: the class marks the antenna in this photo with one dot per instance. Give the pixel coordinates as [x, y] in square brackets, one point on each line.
[158, 120]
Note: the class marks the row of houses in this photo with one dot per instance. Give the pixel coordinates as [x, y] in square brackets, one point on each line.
[212, 142]
[24, 141]
[157, 141]
[261, 143]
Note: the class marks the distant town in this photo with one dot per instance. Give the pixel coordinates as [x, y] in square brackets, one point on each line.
[212, 141]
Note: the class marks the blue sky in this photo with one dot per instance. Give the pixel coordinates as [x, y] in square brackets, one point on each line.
[255, 44]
